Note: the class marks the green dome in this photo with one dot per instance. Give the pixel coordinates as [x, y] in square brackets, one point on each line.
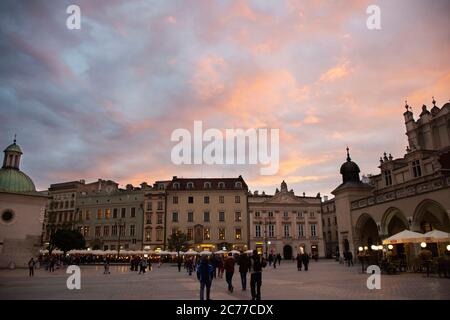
[13, 180]
[14, 148]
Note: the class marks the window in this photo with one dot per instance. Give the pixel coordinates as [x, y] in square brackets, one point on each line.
[133, 212]
[417, 171]
[132, 230]
[72, 203]
[286, 214]
[301, 230]
[160, 205]
[148, 218]
[174, 216]
[206, 216]
[300, 215]
[122, 230]
[148, 234]
[221, 216]
[237, 199]
[190, 217]
[221, 185]
[159, 234]
[329, 222]
[221, 233]
[106, 231]
[115, 213]
[175, 200]
[108, 214]
[80, 217]
[335, 221]
[387, 177]
[206, 199]
[257, 214]
[190, 232]
[133, 241]
[270, 213]
[207, 185]
[86, 231]
[149, 206]
[114, 231]
[206, 234]
[190, 199]
[99, 214]
[238, 234]
[221, 199]
[237, 216]
[113, 247]
[160, 218]
[123, 212]
[329, 235]
[311, 214]
[258, 231]
[174, 230]
[176, 185]
[127, 246]
[238, 185]
[313, 230]
[271, 231]
[60, 217]
[287, 230]
[190, 185]
[98, 231]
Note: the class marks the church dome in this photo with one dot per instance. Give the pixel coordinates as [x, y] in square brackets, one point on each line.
[13, 148]
[350, 170]
[13, 180]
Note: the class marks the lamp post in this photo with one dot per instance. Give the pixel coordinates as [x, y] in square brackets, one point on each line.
[120, 233]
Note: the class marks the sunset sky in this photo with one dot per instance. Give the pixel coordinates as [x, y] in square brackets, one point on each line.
[102, 102]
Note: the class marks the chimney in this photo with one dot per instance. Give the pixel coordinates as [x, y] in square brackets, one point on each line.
[325, 198]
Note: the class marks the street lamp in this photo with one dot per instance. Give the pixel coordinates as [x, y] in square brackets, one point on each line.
[390, 247]
[120, 233]
[423, 245]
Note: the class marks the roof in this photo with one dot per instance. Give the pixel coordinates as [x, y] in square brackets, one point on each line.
[13, 148]
[13, 180]
[199, 183]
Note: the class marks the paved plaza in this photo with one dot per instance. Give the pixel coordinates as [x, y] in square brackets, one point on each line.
[326, 279]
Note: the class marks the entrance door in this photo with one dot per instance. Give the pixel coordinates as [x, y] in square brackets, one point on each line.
[287, 252]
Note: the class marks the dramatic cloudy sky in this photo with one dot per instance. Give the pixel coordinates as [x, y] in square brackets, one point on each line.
[101, 102]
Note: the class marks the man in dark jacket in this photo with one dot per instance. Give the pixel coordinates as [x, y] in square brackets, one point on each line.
[244, 264]
[305, 260]
[205, 276]
[256, 265]
[229, 270]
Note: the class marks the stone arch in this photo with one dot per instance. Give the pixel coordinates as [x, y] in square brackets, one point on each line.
[366, 231]
[430, 215]
[393, 221]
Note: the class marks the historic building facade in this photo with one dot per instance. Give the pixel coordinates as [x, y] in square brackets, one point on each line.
[285, 223]
[22, 211]
[111, 218]
[411, 192]
[155, 236]
[211, 211]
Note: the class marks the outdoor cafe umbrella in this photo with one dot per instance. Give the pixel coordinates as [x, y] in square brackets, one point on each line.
[249, 251]
[235, 252]
[206, 253]
[404, 236]
[437, 236]
[220, 252]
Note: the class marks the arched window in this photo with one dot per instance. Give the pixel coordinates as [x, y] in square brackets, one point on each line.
[190, 185]
[176, 185]
[238, 185]
[207, 185]
[221, 185]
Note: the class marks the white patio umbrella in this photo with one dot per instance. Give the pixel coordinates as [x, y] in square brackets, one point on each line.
[437, 236]
[404, 236]
[42, 251]
[249, 251]
[220, 252]
[235, 252]
[191, 252]
[162, 252]
[206, 253]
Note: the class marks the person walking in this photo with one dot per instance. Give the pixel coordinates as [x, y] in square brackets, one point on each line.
[299, 262]
[256, 266]
[221, 268]
[190, 265]
[244, 264]
[205, 277]
[270, 260]
[143, 265]
[31, 265]
[305, 260]
[179, 262]
[279, 259]
[350, 258]
[229, 270]
[106, 267]
[274, 258]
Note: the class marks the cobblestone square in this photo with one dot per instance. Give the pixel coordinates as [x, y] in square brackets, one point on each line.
[326, 279]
